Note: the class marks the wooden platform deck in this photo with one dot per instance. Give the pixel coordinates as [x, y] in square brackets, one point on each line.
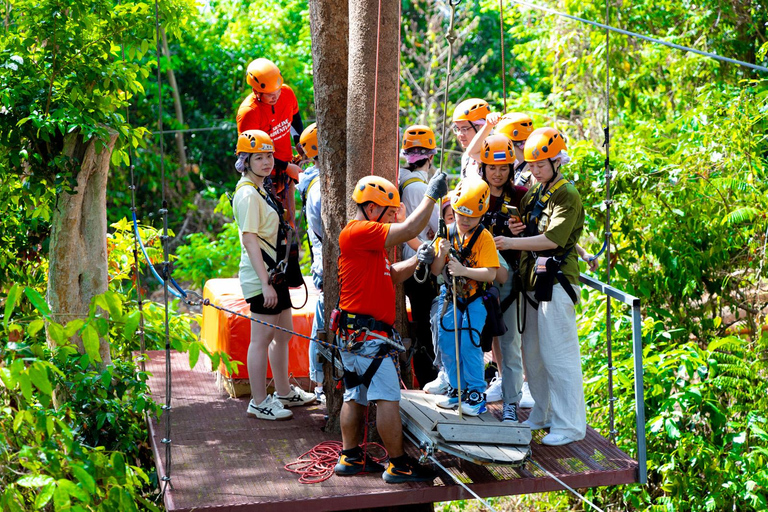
[224, 461]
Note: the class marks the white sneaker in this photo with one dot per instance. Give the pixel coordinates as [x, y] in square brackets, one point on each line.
[493, 393]
[439, 386]
[527, 401]
[296, 397]
[269, 409]
[556, 440]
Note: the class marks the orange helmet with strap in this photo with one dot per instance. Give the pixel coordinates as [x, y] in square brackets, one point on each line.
[419, 136]
[254, 141]
[473, 109]
[471, 197]
[516, 126]
[308, 140]
[377, 190]
[543, 144]
[497, 150]
[264, 76]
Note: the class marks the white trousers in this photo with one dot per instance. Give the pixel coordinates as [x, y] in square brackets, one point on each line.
[512, 361]
[553, 365]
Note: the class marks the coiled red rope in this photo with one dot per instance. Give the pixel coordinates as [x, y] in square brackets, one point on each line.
[316, 465]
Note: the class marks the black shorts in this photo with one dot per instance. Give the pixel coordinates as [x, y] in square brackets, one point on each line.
[283, 302]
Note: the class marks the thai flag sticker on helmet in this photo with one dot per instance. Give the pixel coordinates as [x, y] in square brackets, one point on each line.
[499, 156]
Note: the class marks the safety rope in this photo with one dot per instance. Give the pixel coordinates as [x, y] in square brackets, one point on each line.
[607, 243]
[567, 487]
[503, 63]
[375, 90]
[165, 267]
[646, 38]
[136, 273]
[451, 37]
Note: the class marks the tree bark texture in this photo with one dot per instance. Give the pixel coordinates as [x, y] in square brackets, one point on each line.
[329, 25]
[364, 86]
[78, 256]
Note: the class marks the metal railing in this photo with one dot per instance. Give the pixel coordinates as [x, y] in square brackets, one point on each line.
[637, 353]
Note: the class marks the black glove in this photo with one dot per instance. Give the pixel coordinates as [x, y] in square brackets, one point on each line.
[426, 253]
[437, 187]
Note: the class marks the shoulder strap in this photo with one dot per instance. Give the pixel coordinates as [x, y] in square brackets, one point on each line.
[467, 250]
[409, 181]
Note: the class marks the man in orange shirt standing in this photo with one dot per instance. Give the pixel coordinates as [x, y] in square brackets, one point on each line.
[367, 311]
[273, 108]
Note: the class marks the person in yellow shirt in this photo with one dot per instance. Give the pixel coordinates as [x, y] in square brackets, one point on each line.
[469, 256]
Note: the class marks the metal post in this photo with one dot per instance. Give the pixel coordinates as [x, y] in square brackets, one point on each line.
[637, 352]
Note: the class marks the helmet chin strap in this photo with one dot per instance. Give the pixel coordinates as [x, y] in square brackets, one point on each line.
[554, 172]
[365, 214]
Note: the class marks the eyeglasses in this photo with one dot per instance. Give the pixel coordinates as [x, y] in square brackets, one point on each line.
[465, 130]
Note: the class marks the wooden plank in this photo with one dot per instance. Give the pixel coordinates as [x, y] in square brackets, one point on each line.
[418, 414]
[500, 456]
[498, 433]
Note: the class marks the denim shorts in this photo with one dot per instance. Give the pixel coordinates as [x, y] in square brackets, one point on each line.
[385, 384]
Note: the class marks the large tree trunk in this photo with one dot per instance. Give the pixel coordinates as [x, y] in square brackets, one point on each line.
[329, 24]
[78, 256]
[374, 97]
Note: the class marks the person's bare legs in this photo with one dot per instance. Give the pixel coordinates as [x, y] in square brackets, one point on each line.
[351, 417]
[390, 426]
[278, 352]
[258, 350]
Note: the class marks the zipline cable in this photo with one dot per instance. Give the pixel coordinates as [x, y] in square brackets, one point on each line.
[646, 38]
[445, 470]
[503, 63]
[166, 266]
[607, 244]
[568, 487]
[451, 37]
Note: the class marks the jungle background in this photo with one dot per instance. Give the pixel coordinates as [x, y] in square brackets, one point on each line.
[688, 148]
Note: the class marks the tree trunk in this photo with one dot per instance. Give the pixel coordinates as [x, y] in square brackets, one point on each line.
[329, 25]
[182, 152]
[374, 97]
[78, 255]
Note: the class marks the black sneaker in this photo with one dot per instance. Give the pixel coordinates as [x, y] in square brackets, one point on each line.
[356, 464]
[509, 415]
[408, 470]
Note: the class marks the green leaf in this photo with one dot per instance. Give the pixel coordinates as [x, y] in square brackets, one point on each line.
[38, 301]
[34, 480]
[194, 354]
[10, 303]
[45, 495]
[118, 464]
[39, 376]
[74, 490]
[35, 326]
[56, 332]
[85, 478]
[91, 342]
[61, 497]
[73, 327]
[114, 304]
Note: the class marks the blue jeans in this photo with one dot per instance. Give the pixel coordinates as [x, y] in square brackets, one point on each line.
[315, 364]
[470, 357]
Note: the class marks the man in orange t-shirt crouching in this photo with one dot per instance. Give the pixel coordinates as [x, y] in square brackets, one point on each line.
[367, 303]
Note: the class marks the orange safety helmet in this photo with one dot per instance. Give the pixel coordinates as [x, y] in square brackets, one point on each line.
[378, 190]
[543, 144]
[308, 140]
[419, 136]
[473, 109]
[497, 149]
[264, 76]
[472, 197]
[516, 126]
[254, 141]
